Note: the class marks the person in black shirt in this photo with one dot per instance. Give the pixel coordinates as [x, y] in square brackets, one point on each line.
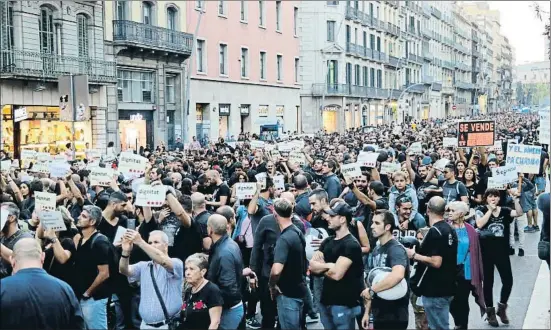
[222, 193]
[436, 266]
[387, 314]
[287, 284]
[339, 260]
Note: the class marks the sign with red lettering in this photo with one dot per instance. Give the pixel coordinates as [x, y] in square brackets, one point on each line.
[476, 133]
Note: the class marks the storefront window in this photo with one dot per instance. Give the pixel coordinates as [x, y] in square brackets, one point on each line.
[136, 86]
[7, 129]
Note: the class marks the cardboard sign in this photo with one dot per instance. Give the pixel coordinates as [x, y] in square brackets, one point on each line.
[59, 170]
[388, 167]
[525, 158]
[261, 177]
[544, 136]
[441, 164]
[20, 114]
[449, 142]
[297, 158]
[351, 170]
[245, 190]
[43, 157]
[52, 220]
[257, 144]
[100, 176]
[368, 159]
[279, 182]
[44, 201]
[130, 163]
[297, 144]
[476, 133]
[416, 148]
[118, 235]
[505, 174]
[275, 155]
[285, 147]
[60, 158]
[494, 183]
[93, 155]
[498, 145]
[153, 196]
[28, 155]
[40, 168]
[5, 166]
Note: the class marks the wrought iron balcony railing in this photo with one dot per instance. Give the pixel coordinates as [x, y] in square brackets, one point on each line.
[464, 85]
[152, 37]
[426, 79]
[31, 65]
[414, 88]
[350, 90]
[437, 87]
[436, 12]
[394, 61]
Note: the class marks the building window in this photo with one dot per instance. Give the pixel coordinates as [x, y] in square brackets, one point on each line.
[278, 15]
[331, 31]
[279, 67]
[169, 88]
[223, 59]
[147, 13]
[348, 73]
[263, 65]
[365, 81]
[135, 86]
[243, 10]
[221, 8]
[332, 72]
[261, 12]
[122, 10]
[379, 79]
[9, 27]
[82, 34]
[199, 4]
[46, 30]
[332, 3]
[295, 21]
[172, 18]
[357, 81]
[244, 62]
[371, 77]
[297, 68]
[201, 56]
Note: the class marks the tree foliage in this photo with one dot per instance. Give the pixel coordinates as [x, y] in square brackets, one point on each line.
[544, 15]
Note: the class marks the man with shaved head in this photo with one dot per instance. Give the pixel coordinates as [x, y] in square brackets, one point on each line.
[221, 194]
[226, 271]
[437, 262]
[200, 217]
[33, 299]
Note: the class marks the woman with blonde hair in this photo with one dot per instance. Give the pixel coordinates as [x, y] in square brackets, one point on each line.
[203, 302]
[469, 265]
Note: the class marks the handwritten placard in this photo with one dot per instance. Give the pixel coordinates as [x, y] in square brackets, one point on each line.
[505, 174]
[153, 196]
[526, 158]
[5, 166]
[52, 220]
[352, 171]
[494, 183]
[297, 158]
[368, 159]
[43, 157]
[388, 167]
[100, 176]
[40, 168]
[59, 170]
[44, 201]
[279, 182]
[450, 142]
[257, 144]
[130, 163]
[261, 177]
[245, 190]
[28, 155]
[416, 148]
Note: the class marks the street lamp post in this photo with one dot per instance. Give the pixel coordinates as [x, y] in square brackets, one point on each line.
[405, 90]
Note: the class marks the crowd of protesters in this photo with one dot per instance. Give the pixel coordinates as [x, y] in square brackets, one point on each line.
[348, 251]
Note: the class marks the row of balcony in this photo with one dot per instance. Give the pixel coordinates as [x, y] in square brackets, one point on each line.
[461, 48]
[357, 15]
[464, 85]
[362, 51]
[415, 58]
[448, 65]
[475, 38]
[355, 91]
[463, 66]
[435, 12]
[413, 7]
[393, 3]
[24, 64]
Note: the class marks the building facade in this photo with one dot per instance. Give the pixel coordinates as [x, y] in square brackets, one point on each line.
[532, 84]
[245, 69]
[147, 39]
[40, 41]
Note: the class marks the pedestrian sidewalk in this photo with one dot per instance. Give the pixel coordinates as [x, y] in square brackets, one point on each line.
[537, 316]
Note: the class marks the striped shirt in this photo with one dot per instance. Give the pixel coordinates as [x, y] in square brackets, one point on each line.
[170, 286]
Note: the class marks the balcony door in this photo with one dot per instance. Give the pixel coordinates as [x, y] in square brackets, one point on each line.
[171, 24]
[47, 38]
[122, 15]
[332, 74]
[147, 19]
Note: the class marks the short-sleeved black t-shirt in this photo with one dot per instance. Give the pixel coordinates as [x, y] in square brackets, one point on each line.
[389, 255]
[497, 228]
[380, 204]
[195, 310]
[64, 271]
[345, 292]
[222, 190]
[441, 240]
[289, 251]
[87, 260]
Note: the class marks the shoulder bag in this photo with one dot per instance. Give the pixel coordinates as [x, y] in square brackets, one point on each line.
[173, 322]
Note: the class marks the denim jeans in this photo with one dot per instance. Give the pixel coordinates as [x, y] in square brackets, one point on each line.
[316, 291]
[335, 317]
[231, 317]
[437, 310]
[308, 299]
[95, 313]
[289, 311]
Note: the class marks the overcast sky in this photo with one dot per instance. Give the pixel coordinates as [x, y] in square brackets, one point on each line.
[524, 30]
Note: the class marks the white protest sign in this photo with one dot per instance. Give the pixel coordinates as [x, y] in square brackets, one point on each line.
[153, 196]
[131, 163]
[257, 144]
[525, 158]
[368, 159]
[118, 235]
[261, 177]
[101, 176]
[297, 157]
[416, 148]
[245, 190]
[40, 168]
[28, 155]
[20, 114]
[297, 144]
[285, 147]
[52, 220]
[351, 170]
[275, 155]
[59, 170]
[3, 217]
[505, 174]
[279, 182]
[5, 165]
[449, 142]
[93, 154]
[498, 145]
[43, 156]
[44, 201]
[494, 183]
[388, 167]
[544, 136]
[60, 158]
[441, 164]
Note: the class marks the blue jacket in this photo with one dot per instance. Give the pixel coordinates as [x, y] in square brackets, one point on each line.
[332, 186]
[226, 270]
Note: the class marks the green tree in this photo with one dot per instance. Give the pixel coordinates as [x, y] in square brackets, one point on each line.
[541, 15]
